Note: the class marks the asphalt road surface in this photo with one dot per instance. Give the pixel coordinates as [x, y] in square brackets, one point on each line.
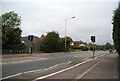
[11, 66]
[102, 69]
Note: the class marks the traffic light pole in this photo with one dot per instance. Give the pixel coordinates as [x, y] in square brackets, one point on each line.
[30, 38]
[93, 49]
[30, 49]
[93, 40]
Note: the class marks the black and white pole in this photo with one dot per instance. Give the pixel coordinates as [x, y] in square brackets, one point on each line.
[93, 40]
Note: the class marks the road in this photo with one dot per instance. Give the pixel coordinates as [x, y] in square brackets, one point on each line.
[99, 69]
[13, 66]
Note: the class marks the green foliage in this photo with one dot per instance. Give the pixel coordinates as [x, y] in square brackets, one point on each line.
[11, 20]
[53, 43]
[100, 47]
[11, 33]
[68, 41]
[79, 48]
[116, 29]
[108, 46]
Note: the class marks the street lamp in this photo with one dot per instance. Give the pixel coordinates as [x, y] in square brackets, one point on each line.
[65, 29]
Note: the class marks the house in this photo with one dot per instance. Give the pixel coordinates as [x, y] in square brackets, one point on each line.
[79, 44]
[35, 43]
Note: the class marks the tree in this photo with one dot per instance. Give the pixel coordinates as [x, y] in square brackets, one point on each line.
[108, 46]
[116, 29]
[11, 33]
[51, 42]
[68, 41]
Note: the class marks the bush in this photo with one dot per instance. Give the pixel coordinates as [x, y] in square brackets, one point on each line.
[78, 48]
[116, 29]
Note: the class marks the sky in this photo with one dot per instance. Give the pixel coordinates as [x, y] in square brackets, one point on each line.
[92, 17]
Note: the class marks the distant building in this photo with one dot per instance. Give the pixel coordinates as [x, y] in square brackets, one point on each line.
[79, 44]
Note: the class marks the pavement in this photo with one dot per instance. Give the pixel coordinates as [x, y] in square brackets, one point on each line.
[119, 67]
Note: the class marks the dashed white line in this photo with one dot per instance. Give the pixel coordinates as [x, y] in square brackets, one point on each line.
[24, 61]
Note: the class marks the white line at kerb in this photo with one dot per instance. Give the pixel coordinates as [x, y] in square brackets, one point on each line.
[66, 69]
[62, 70]
[11, 76]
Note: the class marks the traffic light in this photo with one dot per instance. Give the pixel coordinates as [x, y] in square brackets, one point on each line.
[93, 38]
[30, 37]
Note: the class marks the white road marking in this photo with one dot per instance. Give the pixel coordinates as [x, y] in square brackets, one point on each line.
[34, 71]
[10, 76]
[50, 67]
[47, 68]
[85, 72]
[24, 61]
[66, 69]
[61, 70]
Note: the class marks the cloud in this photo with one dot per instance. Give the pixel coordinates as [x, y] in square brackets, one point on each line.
[41, 17]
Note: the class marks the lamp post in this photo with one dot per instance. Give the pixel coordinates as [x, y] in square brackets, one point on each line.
[65, 30]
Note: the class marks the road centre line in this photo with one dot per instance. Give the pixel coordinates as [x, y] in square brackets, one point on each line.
[25, 61]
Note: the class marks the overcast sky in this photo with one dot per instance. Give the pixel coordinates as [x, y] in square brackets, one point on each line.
[41, 16]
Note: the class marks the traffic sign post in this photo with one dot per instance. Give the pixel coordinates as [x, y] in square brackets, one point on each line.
[93, 40]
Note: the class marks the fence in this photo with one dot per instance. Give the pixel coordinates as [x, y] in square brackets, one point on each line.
[19, 51]
[11, 51]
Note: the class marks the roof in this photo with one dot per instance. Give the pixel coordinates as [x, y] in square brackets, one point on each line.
[36, 40]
